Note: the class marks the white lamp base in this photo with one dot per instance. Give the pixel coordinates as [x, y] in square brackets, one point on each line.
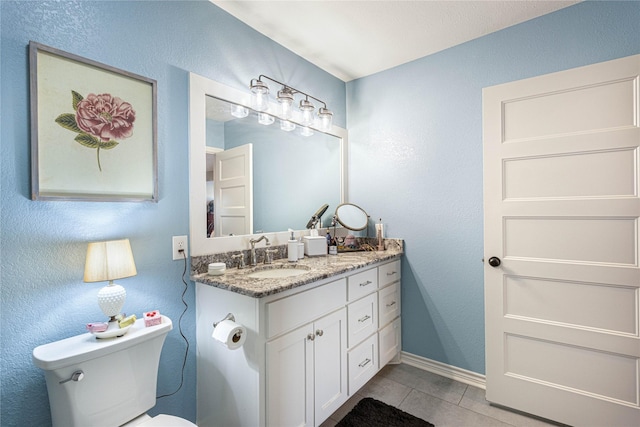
[111, 299]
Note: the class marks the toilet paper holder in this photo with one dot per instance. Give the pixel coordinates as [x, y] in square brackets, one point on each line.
[227, 317]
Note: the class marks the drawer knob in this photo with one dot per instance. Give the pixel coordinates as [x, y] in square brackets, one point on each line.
[364, 363]
[319, 332]
[392, 303]
[311, 337]
[368, 282]
[391, 273]
[364, 319]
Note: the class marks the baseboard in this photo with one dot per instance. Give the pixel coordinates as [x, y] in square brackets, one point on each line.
[444, 370]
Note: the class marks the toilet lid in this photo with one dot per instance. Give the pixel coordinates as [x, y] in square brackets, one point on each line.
[167, 421]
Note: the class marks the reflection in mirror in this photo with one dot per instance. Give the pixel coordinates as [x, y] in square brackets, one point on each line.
[284, 190]
[352, 216]
[291, 173]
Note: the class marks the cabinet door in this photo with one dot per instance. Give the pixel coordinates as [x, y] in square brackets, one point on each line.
[330, 357]
[389, 342]
[290, 379]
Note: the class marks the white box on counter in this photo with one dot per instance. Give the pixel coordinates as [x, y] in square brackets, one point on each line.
[314, 246]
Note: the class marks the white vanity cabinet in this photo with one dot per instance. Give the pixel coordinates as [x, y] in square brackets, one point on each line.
[307, 349]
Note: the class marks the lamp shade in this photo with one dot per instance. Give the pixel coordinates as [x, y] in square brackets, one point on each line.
[109, 261]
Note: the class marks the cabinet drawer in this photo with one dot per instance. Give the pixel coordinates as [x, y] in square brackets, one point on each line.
[389, 273]
[296, 310]
[363, 363]
[363, 283]
[388, 303]
[389, 342]
[362, 319]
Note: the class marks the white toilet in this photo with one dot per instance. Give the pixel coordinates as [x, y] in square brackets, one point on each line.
[106, 382]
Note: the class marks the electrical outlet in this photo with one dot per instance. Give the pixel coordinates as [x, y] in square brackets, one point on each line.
[179, 243]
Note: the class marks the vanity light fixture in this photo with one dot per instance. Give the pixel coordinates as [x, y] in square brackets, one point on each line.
[110, 261]
[285, 97]
[306, 131]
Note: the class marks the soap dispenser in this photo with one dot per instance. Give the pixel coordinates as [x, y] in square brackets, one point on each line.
[292, 248]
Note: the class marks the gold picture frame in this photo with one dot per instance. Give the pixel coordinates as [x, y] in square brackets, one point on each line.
[93, 130]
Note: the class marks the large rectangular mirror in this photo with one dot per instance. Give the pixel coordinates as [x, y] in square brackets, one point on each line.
[290, 175]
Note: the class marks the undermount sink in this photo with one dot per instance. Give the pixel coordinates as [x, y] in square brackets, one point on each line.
[276, 273]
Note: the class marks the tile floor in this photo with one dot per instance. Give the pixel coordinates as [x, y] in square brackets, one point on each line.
[439, 400]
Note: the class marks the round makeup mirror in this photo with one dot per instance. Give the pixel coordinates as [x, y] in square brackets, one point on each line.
[352, 216]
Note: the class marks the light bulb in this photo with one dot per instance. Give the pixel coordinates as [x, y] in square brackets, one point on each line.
[326, 118]
[259, 96]
[306, 109]
[285, 98]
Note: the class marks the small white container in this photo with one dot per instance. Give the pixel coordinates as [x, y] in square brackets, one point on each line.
[315, 246]
[217, 268]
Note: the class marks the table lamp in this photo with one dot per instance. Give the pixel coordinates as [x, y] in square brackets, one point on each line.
[110, 261]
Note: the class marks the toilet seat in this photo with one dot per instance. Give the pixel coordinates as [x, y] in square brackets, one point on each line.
[163, 420]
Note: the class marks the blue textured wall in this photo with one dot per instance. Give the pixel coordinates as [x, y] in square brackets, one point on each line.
[416, 160]
[43, 244]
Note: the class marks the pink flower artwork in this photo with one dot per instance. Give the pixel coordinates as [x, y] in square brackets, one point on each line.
[99, 120]
[106, 117]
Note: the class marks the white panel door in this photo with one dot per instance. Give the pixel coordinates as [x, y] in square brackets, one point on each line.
[233, 189]
[561, 179]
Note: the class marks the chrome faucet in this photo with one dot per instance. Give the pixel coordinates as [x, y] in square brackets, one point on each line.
[253, 259]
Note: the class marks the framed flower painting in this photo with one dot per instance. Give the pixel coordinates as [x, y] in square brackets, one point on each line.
[93, 130]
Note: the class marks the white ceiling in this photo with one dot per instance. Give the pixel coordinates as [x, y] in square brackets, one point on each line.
[353, 39]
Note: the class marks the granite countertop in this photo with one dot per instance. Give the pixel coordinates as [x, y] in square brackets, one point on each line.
[322, 267]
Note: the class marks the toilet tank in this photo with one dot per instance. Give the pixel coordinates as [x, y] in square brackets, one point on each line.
[119, 381]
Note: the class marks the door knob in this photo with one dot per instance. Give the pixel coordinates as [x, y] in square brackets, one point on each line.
[494, 261]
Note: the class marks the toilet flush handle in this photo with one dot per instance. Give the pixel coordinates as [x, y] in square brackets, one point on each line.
[76, 376]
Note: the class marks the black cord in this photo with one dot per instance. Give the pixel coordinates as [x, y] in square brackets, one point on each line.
[186, 351]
